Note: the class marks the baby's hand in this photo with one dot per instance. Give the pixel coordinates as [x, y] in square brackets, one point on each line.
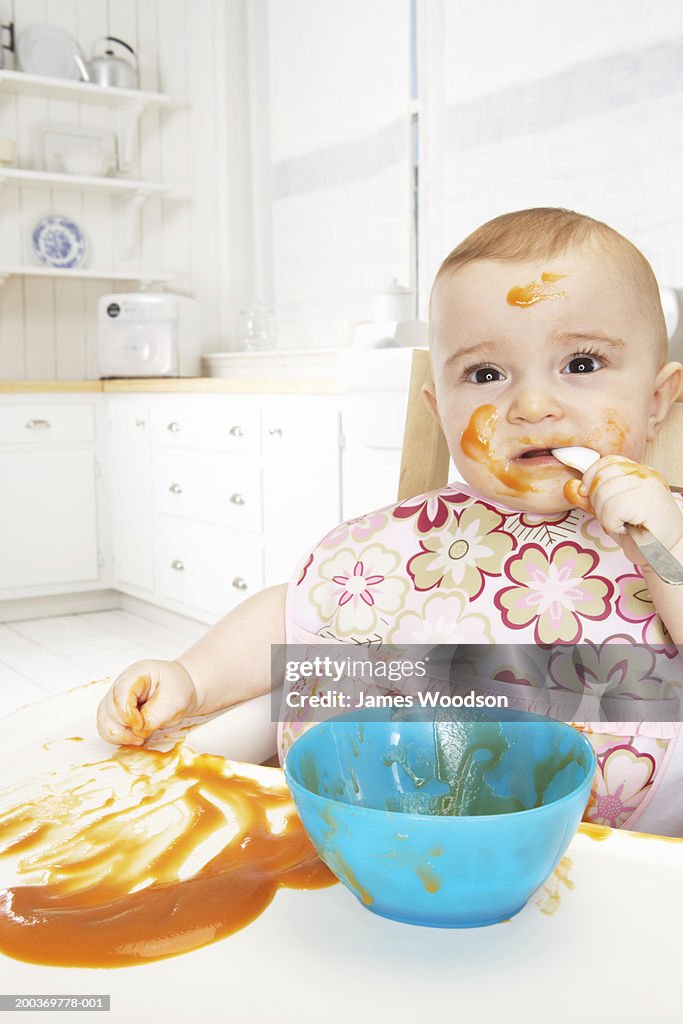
[145, 697]
[618, 491]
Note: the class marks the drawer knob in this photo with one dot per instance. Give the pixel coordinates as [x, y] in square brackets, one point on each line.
[236, 431]
[275, 431]
[240, 584]
[237, 499]
[173, 427]
[175, 489]
[177, 565]
[37, 425]
[139, 422]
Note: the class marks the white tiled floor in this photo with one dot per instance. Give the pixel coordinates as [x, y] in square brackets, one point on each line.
[39, 657]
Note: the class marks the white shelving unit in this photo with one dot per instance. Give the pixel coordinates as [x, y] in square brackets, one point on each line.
[83, 183]
[145, 279]
[130, 105]
[85, 92]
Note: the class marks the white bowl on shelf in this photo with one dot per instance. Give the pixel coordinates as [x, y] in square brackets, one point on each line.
[88, 161]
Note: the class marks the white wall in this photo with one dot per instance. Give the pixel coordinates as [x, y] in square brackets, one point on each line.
[194, 50]
[529, 105]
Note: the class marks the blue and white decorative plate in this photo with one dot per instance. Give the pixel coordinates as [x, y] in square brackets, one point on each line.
[58, 243]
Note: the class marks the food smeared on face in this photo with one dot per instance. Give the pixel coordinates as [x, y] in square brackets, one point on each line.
[532, 458]
[536, 291]
[150, 855]
[475, 443]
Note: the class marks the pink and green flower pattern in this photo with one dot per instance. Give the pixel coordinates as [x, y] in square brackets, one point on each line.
[443, 619]
[449, 567]
[623, 778]
[358, 589]
[553, 592]
[430, 511]
[634, 604]
[360, 529]
[470, 547]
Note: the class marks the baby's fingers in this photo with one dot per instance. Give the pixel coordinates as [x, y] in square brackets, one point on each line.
[110, 726]
[614, 467]
[119, 718]
[574, 497]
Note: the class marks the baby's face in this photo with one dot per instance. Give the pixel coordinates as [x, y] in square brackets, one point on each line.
[540, 354]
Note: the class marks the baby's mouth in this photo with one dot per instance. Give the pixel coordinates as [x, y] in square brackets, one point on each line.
[536, 456]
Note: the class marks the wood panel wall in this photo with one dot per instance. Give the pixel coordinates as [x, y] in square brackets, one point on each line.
[194, 50]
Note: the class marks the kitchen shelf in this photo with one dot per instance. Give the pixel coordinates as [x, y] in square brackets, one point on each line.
[130, 104]
[144, 279]
[84, 183]
[82, 92]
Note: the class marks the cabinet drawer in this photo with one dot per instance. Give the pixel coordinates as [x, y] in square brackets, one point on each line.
[207, 567]
[213, 487]
[41, 424]
[213, 422]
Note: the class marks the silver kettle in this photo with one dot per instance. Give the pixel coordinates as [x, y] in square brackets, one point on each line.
[107, 69]
[6, 46]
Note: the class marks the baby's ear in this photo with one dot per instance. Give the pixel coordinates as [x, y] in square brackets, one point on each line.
[668, 388]
[429, 396]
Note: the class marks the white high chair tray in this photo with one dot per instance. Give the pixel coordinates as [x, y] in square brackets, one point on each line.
[604, 943]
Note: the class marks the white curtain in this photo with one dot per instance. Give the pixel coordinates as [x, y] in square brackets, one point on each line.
[334, 118]
[529, 104]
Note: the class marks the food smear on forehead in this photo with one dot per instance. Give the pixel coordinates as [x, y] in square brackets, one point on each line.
[536, 291]
[146, 855]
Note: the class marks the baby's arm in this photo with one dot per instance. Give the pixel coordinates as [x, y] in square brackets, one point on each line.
[229, 664]
[618, 491]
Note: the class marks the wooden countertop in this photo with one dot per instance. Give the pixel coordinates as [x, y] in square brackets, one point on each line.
[48, 387]
[189, 385]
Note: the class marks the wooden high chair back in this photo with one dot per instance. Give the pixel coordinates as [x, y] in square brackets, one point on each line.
[424, 459]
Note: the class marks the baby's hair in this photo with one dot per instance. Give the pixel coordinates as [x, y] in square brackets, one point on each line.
[547, 231]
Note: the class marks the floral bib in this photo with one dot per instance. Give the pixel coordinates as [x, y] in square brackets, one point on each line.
[450, 567]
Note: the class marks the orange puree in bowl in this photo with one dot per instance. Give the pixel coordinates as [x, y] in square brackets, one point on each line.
[116, 884]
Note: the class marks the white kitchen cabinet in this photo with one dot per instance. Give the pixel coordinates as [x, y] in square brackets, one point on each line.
[207, 497]
[231, 491]
[49, 508]
[373, 426]
[207, 567]
[128, 468]
[210, 487]
[228, 423]
[301, 478]
[208, 503]
[47, 518]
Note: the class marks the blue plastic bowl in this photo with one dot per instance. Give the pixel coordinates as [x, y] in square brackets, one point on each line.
[453, 824]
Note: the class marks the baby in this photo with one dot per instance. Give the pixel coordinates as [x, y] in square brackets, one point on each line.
[546, 331]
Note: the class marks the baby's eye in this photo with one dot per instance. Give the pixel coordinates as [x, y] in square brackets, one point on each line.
[483, 375]
[584, 364]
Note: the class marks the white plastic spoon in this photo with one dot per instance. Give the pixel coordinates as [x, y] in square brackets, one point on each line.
[660, 558]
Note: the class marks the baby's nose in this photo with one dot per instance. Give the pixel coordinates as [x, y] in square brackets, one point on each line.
[533, 403]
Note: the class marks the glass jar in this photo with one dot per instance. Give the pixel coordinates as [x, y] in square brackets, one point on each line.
[256, 329]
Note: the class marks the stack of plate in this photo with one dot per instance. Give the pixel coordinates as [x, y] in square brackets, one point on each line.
[48, 50]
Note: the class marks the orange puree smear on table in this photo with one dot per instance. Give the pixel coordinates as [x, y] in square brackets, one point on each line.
[601, 832]
[536, 291]
[116, 882]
